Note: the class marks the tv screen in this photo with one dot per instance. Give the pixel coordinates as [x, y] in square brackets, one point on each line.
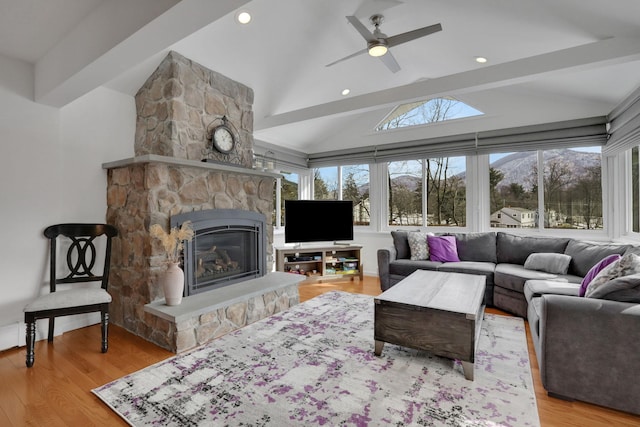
[317, 220]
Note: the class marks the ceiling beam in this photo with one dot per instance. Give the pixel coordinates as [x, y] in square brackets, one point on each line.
[592, 55]
[119, 36]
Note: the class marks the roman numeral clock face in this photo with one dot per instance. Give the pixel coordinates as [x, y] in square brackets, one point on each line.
[223, 139]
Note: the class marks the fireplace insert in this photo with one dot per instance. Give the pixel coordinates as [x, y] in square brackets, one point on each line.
[228, 247]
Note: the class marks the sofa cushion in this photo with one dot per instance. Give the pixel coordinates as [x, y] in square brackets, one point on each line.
[512, 249]
[443, 248]
[476, 246]
[401, 243]
[470, 267]
[585, 255]
[536, 288]
[548, 262]
[418, 245]
[625, 266]
[595, 270]
[514, 276]
[404, 267]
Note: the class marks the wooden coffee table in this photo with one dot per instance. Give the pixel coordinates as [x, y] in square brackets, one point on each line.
[438, 312]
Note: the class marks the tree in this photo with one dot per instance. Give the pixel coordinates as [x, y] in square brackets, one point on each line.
[350, 191]
[289, 192]
[321, 190]
[422, 112]
[403, 206]
[495, 176]
[589, 190]
[437, 186]
[455, 206]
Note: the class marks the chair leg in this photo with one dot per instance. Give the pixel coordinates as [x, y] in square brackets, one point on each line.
[52, 324]
[105, 327]
[31, 338]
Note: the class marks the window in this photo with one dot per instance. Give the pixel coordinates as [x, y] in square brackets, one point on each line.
[345, 183]
[429, 111]
[405, 192]
[435, 186]
[355, 187]
[512, 190]
[446, 191]
[572, 189]
[325, 183]
[288, 189]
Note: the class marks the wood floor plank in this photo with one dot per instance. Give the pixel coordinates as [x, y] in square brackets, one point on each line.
[57, 390]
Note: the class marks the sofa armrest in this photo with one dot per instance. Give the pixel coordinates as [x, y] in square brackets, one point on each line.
[591, 350]
[536, 288]
[385, 257]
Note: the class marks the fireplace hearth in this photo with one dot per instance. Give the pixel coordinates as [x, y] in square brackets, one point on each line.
[228, 247]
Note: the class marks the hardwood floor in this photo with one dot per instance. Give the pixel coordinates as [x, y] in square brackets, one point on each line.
[56, 391]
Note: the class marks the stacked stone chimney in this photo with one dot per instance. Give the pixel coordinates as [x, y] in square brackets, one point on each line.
[176, 109]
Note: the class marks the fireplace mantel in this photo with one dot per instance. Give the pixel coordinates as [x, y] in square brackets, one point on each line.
[173, 161]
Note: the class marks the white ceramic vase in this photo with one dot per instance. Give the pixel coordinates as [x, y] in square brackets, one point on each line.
[173, 284]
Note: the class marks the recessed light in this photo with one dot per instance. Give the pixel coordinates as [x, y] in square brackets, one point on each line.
[481, 59]
[243, 17]
[345, 92]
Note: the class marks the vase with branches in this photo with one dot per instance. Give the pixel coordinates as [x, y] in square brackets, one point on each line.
[173, 242]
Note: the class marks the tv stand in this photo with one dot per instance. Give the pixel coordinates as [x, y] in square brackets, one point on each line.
[327, 262]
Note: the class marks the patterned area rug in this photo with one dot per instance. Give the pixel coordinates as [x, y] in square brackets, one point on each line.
[314, 365]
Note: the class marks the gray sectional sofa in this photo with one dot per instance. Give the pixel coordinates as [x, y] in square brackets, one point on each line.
[587, 348]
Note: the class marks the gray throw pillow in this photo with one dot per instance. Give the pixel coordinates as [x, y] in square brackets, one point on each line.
[626, 266]
[624, 289]
[548, 262]
[401, 244]
[418, 245]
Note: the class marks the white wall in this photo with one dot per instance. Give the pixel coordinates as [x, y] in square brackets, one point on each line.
[30, 173]
[50, 171]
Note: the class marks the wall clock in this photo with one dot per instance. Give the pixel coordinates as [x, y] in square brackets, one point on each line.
[222, 137]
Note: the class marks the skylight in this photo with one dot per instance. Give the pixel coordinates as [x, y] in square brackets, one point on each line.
[427, 111]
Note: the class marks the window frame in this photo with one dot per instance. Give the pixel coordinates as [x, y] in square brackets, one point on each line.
[477, 200]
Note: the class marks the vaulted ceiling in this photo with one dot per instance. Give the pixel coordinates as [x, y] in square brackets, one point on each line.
[548, 60]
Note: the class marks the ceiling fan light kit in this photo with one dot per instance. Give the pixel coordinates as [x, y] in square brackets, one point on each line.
[378, 43]
[377, 49]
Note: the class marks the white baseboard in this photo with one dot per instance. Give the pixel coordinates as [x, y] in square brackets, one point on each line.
[9, 336]
[13, 335]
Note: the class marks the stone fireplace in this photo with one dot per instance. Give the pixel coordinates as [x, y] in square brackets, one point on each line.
[168, 179]
[228, 247]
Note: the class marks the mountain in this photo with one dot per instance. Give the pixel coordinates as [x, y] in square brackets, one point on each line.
[519, 167]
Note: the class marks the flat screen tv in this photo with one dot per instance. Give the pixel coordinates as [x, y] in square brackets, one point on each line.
[318, 220]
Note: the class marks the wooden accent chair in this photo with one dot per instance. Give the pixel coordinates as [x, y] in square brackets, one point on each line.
[81, 259]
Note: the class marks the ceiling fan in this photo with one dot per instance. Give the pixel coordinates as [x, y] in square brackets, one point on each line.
[378, 43]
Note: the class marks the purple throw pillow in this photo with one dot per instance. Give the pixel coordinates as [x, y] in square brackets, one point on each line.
[443, 248]
[591, 274]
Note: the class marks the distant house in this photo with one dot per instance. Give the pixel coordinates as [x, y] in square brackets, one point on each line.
[513, 218]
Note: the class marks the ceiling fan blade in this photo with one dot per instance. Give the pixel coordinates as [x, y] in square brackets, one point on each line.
[412, 35]
[364, 32]
[360, 52]
[390, 62]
